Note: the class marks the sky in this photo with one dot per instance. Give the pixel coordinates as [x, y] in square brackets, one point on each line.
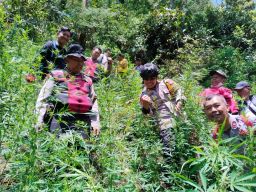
[217, 2]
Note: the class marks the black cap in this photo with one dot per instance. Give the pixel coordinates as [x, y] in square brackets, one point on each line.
[76, 50]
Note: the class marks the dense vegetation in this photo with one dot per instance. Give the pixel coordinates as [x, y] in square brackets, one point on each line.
[185, 38]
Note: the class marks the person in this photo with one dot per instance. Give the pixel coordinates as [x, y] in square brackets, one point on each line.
[122, 65]
[52, 54]
[218, 78]
[247, 104]
[162, 100]
[91, 64]
[69, 95]
[138, 64]
[217, 110]
[106, 61]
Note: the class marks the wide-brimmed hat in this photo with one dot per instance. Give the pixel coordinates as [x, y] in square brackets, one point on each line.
[75, 50]
[220, 72]
[241, 85]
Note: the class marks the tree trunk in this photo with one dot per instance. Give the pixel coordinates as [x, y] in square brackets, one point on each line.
[86, 3]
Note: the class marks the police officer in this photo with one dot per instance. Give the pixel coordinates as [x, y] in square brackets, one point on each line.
[247, 104]
[53, 53]
[216, 109]
[218, 78]
[69, 95]
[162, 100]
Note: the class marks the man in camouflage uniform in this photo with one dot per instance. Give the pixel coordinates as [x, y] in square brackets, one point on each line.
[247, 102]
[70, 96]
[216, 110]
[162, 100]
[218, 78]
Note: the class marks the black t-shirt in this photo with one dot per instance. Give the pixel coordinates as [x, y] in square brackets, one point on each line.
[52, 53]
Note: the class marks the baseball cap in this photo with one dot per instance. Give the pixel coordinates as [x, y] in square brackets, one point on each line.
[241, 85]
[220, 72]
[75, 50]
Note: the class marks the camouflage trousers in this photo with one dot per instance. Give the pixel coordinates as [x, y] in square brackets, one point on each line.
[63, 124]
[167, 138]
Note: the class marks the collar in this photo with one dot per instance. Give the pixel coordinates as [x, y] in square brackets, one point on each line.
[157, 85]
[73, 74]
[94, 60]
[57, 45]
[218, 86]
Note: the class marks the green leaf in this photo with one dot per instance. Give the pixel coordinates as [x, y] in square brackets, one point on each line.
[242, 157]
[242, 189]
[188, 181]
[203, 180]
[246, 177]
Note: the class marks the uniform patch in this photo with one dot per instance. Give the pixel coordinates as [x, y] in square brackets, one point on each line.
[234, 124]
[79, 93]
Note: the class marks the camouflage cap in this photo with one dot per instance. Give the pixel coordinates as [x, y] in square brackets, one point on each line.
[220, 72]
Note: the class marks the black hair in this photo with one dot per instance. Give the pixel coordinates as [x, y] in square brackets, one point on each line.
[64, 29]
[149, 70]
[96, 47]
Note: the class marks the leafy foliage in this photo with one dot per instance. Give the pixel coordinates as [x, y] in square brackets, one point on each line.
[186, 40]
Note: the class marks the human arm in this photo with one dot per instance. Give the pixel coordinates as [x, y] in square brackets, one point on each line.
[176, 92]
[95, 117]
[48, 54]
[41, 103]
[43, 65]
[146, 103]
[227, 94]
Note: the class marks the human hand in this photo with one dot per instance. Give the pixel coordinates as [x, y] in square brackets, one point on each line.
[39, 127]
[110, 61]
[178, 106]
[145, 101]
[96, 130]
[30, 78]
[243, 132]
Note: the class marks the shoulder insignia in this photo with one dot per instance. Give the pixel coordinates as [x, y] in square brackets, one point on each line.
[58, 75]
[234, 124]
[172, 86]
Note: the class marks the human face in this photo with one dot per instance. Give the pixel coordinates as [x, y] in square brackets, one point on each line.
[63, 38]
[244, 93]
[96, 53]
[138, 62]
[108, 53]
[216, 109]
[217, 80]
[150, 83]
[120, 58]
[74, 64]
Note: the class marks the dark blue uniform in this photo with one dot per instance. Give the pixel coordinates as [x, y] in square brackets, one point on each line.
[52, 53]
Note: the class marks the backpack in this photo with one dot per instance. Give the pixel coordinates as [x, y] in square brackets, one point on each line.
[171, 86]
[73, 92]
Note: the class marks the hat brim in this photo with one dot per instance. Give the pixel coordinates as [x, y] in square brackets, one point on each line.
[241, 87]
[238, 88]
[77, 55]
[216, 72]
